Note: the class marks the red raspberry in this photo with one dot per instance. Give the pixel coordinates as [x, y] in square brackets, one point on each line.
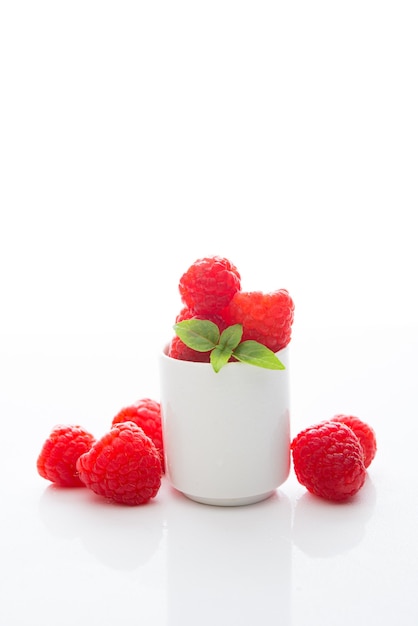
[188, 314]
[209, 285]
[145, 413]
[185, 314]
[266, 318]
[364, 432]
[123, 466]
[178, 350]
[57, 459]
[328, 460]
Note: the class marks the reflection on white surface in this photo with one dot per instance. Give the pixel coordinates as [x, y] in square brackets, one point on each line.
[326, 529]
[121, 538]
[291, 559]
[229, 565]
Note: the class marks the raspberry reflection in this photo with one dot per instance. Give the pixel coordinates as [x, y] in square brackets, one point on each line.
[121, 537]
[324, 529]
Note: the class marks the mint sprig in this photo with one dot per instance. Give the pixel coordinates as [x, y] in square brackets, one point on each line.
[205, 336]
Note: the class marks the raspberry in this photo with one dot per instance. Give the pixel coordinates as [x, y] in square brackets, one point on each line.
[145, 413]
[209, 284]
[123, 466]
[57, 459]
[364, 432]
[328, 460]
[178, 350]
[266, 318]
[185, 314]
[188, 314]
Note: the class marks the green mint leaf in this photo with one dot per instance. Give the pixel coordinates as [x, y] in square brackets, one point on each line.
[200, 335]
[231, 336]
[254, 353]
[204, 336]
[220, 356]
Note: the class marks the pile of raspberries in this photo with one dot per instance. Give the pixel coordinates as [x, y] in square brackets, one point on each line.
[211, 290]
[125, 465]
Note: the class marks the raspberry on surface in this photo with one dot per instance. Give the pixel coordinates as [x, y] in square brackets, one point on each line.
[364, 432]
[123, 466]
[145, 413]
[265, 317]
[60, 451]
[328, 460]
[209, 284]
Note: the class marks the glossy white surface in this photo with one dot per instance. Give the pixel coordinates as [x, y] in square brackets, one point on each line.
[291, 558]
[226, 434]
[136, 137]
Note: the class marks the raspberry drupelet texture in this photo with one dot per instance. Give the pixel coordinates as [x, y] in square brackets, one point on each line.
[364, 432]
[178, 350]
[265, 317]
[189, 314]
[58, 457]
[145, 413]
[123, 466]
[328, 460]
[209, 284]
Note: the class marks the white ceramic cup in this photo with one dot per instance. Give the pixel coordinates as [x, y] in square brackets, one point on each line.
[227, 434]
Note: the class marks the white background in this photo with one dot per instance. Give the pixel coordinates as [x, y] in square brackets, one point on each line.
[136, 137]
